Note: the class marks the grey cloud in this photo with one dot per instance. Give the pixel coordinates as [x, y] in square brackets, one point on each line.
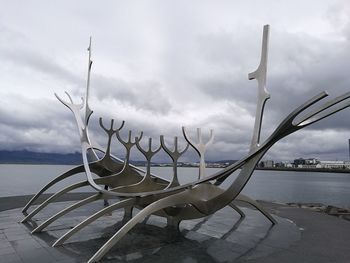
[190, 71]
[323, 144]
[33, 125]
[34, 61]
[148, 95]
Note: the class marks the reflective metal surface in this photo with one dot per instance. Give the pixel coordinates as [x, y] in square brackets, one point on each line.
[200, 148]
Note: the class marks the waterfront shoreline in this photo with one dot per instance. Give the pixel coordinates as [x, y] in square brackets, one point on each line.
[282, 169]
[312, 170]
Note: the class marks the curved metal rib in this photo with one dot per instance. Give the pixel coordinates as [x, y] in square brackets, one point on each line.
[321, 112]
[54, 197]
[237, 209]
[67, 189]
[103, 180]
[247, 199]
[92, 218]
[158, 205]
[66, 210]
[73, 171]
[325, 106]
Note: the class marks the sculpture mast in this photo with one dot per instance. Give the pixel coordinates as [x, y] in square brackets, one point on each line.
[88, 111]
[263, 95]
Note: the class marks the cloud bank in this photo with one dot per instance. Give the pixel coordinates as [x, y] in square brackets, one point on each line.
[160, 65]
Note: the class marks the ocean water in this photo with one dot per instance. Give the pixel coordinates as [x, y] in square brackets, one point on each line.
[305, 187]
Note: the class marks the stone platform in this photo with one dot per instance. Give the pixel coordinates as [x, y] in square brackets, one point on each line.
[299, 236]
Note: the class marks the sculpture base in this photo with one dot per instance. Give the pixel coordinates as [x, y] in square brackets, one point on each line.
[222, 237]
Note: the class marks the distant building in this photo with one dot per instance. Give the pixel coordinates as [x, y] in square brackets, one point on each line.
[289, 165]
[311, 161]
[279, 164]
[299, 161]
[283, 164]
[306, 163]
[267, 164]
[333, 165]
[347, 164]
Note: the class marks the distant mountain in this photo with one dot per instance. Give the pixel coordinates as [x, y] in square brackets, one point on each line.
[223, 161]
[28, 157]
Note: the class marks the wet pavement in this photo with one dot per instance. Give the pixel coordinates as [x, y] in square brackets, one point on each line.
[299, 236]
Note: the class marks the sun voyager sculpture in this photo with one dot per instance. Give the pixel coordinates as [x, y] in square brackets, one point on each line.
[111, 177]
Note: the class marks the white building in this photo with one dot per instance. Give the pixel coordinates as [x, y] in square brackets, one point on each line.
[333, 164]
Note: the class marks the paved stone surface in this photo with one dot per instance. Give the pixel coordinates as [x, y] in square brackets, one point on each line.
[299, 236]
[11, 202]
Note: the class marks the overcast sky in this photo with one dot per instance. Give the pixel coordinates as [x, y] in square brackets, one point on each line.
[160, 65]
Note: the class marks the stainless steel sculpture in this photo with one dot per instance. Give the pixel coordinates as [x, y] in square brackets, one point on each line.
[106, 166]
[154, 195]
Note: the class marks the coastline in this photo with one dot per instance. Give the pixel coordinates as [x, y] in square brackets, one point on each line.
[318, 170]
[282, 169]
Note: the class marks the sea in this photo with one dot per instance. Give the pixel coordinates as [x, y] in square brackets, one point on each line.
[277, 186]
